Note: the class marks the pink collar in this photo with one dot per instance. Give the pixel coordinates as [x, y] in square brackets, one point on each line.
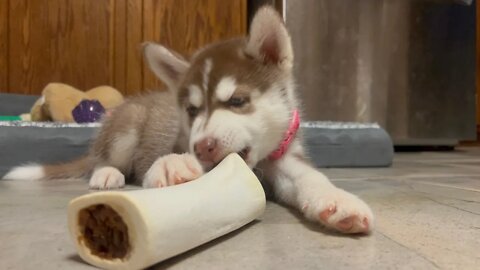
[287, 138]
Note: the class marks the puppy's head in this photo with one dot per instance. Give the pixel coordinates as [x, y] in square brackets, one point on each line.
[236, 95]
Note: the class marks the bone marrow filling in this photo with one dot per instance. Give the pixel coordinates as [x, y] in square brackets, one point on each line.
[104, 232]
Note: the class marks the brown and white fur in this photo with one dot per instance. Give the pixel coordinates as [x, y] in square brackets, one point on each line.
[233, 96]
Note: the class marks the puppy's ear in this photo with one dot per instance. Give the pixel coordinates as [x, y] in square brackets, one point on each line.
[168, 66]
[269, 40]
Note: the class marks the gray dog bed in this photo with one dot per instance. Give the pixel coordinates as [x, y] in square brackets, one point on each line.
[343, 144]
[329, 144]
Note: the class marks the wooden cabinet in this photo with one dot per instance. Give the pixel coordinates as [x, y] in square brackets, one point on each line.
[87, 43]
[478, 71]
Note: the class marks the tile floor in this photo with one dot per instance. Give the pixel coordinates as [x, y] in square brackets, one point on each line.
[427, 210]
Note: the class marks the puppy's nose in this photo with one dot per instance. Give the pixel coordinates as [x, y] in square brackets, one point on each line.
[206, 149]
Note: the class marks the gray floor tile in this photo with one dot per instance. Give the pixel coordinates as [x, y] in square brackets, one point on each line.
[427, 209]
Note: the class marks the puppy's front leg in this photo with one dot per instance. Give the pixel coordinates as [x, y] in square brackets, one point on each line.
[106, 177]
[297, 183]
[172, 169]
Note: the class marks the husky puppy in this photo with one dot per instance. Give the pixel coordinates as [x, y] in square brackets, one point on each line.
[235, 96]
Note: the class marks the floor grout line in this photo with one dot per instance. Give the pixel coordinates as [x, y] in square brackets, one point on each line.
[447, 186]
[405, 177]
[452, 206]
[416, 180]
[410, 249]
[441, 161]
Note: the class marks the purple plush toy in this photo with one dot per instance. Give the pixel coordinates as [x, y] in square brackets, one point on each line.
[88, 111]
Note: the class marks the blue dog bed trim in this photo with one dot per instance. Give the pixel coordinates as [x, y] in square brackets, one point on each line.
[47, 124]
[42, 142]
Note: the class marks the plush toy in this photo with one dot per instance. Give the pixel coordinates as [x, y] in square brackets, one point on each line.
[64, 103]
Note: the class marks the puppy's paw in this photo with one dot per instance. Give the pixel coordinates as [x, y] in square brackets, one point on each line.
[107, 178]
[339, 210]
[172, 170]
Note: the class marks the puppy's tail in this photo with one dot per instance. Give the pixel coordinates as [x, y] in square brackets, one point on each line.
[75, 169]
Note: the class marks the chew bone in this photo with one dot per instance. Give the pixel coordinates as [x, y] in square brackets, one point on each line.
[136, 229]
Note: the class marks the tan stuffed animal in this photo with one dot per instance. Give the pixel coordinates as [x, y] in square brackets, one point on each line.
[58, 100]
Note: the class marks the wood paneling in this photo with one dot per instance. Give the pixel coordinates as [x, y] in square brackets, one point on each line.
[134, 39]
[3, 45]
[119, 48]
[60, 40]
[187, 25]
[87, 43]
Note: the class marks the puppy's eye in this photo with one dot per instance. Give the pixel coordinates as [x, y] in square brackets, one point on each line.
[237, 102]
[192, 111]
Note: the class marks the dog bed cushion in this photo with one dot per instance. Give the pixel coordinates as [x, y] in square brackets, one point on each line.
[343, 144]
[329, 144]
